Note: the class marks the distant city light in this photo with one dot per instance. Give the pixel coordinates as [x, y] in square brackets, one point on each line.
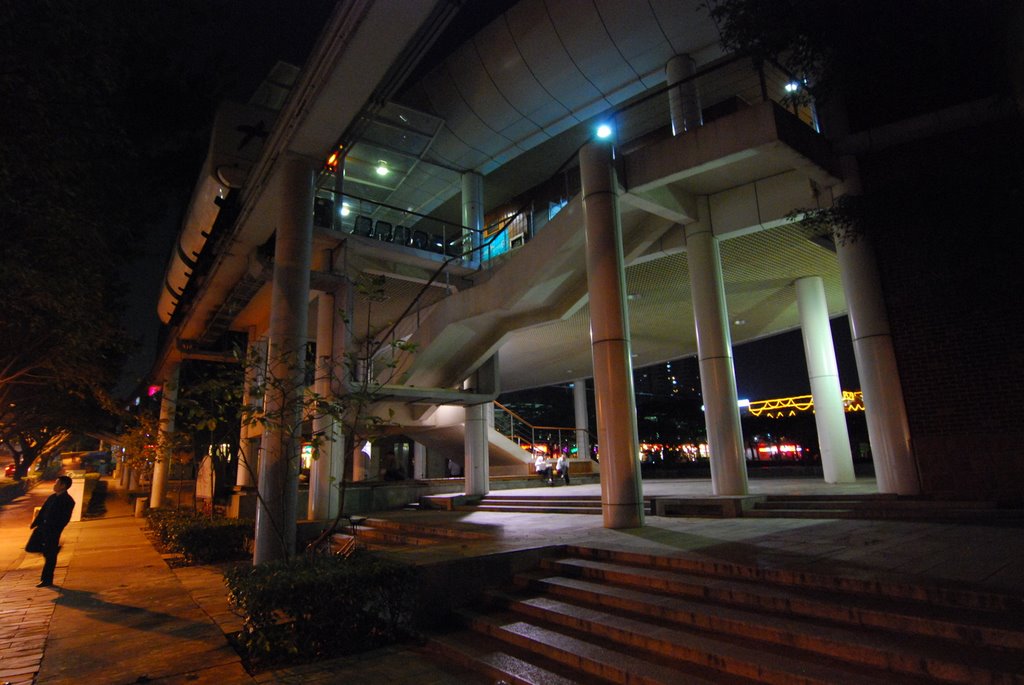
[604, 131]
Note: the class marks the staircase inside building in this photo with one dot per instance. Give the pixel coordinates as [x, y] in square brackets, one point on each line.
[597, 616]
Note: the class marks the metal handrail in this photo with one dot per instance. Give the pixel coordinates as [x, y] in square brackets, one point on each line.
[531, 432]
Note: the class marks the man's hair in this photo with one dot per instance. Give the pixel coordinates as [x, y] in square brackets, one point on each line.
[64, 480]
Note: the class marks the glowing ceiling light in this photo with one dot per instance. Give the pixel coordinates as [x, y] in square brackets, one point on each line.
[382, 168]
[604, 131]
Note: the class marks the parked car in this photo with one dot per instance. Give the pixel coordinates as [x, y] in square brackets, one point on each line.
[9, 470]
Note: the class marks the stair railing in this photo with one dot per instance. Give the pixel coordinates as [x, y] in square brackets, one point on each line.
[526, 435]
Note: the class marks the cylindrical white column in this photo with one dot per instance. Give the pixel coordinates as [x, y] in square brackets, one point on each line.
[582, 418]
[473, 208]
[826, 392]
[168, 405]
[279, 468]
[714, 354]
[320, 485]
[885, 412]
[683, 101]
[477, 472]
[248, 446]
[358, 464]
[419, 461]
[621, 487]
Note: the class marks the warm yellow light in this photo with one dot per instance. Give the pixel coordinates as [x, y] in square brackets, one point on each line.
[789, 406]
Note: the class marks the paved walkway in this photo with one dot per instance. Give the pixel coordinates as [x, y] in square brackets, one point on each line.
[120, 614]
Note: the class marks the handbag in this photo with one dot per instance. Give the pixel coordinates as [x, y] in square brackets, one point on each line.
[36, 543]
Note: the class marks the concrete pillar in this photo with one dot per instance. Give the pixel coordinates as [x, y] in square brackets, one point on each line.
[829, 414]
[582, 418]
[621, 489]
[684, 101]
[358, 464]
[248, 444]
[477, 470]
[419, 461]
[321, 487]
[885, 412]
[473, 209]
[168, 404]
[714, 354]
[279, 465]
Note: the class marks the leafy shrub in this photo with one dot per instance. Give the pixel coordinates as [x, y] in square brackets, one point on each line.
[316, 606]
[199, 537]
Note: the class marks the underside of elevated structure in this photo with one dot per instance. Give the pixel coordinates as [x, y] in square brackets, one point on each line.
[426, 285]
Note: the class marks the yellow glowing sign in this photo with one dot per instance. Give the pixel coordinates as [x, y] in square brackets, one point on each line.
[791, 406]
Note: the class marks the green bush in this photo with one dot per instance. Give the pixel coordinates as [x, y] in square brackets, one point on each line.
[199, 537]
[317, 606]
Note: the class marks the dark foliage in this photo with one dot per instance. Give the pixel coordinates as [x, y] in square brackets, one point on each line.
[321, 605]
[201, 538]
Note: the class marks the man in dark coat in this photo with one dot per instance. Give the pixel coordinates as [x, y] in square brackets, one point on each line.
[48, 524]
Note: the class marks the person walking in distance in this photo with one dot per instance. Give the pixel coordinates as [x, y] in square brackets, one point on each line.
[47, 526]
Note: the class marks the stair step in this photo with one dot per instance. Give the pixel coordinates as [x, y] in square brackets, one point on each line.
[535, 509]
[870, 586]
[542, 501]
[428, 530]
[881, 505]
[989, 516]
[881, 614]
[739, 658]
[865, 497]
[394, 537]
[592, 659]
[909, 656]
[486, 655]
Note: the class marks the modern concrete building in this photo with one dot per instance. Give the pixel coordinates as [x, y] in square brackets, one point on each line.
[433, 175]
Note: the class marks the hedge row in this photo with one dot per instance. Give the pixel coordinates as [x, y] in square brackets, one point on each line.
[201, 538]
[317, 606]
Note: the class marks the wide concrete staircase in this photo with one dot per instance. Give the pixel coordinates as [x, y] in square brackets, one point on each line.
[597, 616]
[553, 503]
[886, 507]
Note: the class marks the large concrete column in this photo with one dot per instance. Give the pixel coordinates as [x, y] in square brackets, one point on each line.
[621, 488]
[683, 101]
[582, 418]
[419, 461]
[885, 412]
[714, 354]
[248, 445]
[168, 404]
[321, 487]
[477, 457]
[829, 414]
[477, 471]
[279, 465]
[473, 208]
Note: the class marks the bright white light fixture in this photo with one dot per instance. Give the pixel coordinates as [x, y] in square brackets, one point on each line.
[792, 87]
[604, 131]
[382, 168]
[345, 209]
